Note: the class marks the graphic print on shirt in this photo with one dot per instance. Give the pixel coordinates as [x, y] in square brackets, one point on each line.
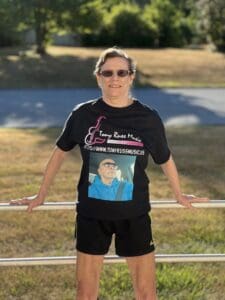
[92, 136]
[104, 139]
[111, 176]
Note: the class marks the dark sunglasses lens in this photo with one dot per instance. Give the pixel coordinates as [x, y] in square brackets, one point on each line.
[122, 73]
[110, 165]
[107, 73]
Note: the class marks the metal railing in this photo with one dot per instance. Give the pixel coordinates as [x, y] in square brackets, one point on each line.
[154, 204]
[65, 260]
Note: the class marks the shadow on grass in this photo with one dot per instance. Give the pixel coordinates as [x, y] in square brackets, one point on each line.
[46, 72]
[19, 70]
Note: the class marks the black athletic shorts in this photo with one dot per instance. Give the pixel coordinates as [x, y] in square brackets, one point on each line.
[133, 237]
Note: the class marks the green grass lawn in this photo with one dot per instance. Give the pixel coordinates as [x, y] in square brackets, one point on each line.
[69, 67]
[199, 153]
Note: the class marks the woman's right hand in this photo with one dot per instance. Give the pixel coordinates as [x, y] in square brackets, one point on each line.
[52, 168]
[31, 202]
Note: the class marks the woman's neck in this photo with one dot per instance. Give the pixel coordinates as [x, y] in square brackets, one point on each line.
[116, 102]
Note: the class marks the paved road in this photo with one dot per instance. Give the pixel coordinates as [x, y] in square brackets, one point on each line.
[42, 108]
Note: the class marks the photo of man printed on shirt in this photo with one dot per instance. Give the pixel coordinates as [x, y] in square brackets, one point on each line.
[111, 176]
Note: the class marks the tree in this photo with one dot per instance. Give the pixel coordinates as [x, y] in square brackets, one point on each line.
[108, 5]
[85, 18]
[8, 24]
[129, 29]
[46, 16]
[142, 3]
[173, 28]
[212, 20]
[122, 25]
[217, 24]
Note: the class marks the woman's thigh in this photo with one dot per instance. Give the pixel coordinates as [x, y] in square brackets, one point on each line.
[143, 273]
[88, 270]
[88, 267]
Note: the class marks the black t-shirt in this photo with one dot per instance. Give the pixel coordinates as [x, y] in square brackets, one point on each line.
[115, 144]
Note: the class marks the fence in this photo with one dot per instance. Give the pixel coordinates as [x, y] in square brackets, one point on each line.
[62, 260]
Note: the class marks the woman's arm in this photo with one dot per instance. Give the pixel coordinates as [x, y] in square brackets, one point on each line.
[170, 170]
[52, 168]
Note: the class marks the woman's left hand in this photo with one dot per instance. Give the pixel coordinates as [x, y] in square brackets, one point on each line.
[187, 200]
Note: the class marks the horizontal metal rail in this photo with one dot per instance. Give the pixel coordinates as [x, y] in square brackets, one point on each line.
[71, 205]
[67, 260]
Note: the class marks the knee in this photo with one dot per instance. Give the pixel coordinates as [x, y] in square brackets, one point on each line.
[145, 292]
[86, 291]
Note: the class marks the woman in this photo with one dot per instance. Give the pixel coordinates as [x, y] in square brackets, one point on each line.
[120, 125]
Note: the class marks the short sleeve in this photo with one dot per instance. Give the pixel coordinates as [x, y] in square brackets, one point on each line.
[68, 138]
[157, 142]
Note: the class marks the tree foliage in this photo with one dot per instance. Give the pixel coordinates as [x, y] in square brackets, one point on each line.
[212, 20]
[173, 28]
[46, 17]
[122, 25]
[142, 3]
[130, 23]
[158, 24]
[8, 24]
[127, 27]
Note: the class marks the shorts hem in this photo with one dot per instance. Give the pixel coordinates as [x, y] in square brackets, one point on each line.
[91, 252]
[149, 250]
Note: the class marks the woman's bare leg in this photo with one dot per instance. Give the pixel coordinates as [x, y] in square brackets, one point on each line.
[88, 270]
[143, 275]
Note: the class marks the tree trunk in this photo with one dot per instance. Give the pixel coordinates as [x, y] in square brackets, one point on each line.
[41, 34]
[41, 29]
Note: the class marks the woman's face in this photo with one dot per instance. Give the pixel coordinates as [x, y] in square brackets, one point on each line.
[115, 86]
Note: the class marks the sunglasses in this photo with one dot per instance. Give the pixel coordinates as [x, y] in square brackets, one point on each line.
[119, 73]
[110, 165]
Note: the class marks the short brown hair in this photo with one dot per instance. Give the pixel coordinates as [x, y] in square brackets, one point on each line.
[111, 53]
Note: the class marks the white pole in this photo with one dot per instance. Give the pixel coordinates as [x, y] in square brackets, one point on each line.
[113, 259]
[71, 205]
